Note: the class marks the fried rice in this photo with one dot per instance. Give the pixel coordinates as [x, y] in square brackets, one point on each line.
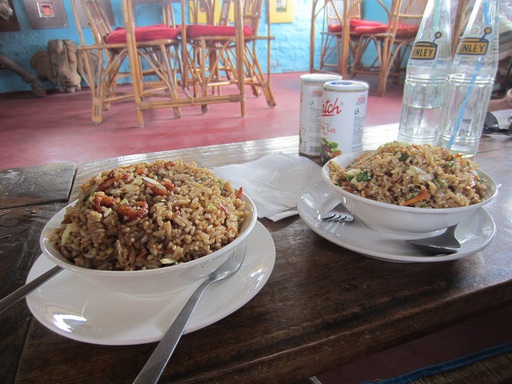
[412, 175]
[149, 215]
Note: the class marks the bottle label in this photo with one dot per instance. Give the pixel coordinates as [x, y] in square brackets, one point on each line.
[474, 46]
[425, 50]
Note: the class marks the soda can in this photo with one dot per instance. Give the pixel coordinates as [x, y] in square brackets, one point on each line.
[343, 118]
[311, 94]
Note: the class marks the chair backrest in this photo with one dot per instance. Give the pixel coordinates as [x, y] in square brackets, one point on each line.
[405, 18]
[201, 11]
[166, 8]
[225, 11]
[335, 11]
[252, 13]
[97, 20]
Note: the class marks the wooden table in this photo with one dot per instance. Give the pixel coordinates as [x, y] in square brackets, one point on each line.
[323, 306]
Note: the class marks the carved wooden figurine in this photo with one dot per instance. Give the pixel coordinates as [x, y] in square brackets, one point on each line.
[59, 64]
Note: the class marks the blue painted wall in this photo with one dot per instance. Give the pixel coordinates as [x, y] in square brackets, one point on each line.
[290, 49]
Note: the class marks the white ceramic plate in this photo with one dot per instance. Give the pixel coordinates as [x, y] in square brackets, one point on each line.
[74, 308]
[474, 233]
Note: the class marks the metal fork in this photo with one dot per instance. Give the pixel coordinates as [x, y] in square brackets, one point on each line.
[337, 215]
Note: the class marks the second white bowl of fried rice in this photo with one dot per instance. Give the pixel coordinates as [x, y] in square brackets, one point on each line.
[150, 229]
[409, 191]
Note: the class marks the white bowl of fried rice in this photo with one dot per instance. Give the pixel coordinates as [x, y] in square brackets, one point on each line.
[150, 229]
[408, 191]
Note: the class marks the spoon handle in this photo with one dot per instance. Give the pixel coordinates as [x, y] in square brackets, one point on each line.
[21, 292]
[154, 367]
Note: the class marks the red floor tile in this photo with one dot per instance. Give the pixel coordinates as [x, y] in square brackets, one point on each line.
[58, 128]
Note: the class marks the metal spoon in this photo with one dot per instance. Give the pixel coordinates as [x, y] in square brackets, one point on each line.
[154, 367]
[21, 292]
[445, 243]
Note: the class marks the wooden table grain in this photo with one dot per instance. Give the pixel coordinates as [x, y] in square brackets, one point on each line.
[29, 197]
[323, 305]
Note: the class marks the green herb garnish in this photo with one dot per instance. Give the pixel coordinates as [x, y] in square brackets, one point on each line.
[363, 176]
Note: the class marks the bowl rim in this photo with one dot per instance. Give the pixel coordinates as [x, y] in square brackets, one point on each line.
[490, 182]
[61, 261]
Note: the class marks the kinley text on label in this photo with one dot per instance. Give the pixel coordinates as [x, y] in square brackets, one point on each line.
[424, 50]
[474, 45]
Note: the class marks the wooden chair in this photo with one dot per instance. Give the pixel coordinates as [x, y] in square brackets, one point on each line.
[155, 60]
[104, 77]
[337, 18]
[202, 15]
[391, 40]
[255, 76]
[154, 48]
[202, 60]
[216, 59]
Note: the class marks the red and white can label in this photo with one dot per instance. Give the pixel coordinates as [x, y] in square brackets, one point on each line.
[311, 95]
[343, 118]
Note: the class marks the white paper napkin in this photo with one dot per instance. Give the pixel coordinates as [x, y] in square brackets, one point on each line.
[274, 182]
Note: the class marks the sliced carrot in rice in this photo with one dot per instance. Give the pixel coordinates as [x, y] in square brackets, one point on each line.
[423, 195]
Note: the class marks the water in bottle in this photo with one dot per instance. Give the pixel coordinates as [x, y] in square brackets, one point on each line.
[471, 82]
[427, 76]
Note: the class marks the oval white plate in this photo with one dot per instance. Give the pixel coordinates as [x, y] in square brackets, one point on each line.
[74, 308]
[474, 233]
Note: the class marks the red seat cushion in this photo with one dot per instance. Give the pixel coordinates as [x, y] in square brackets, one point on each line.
[152, 32]
[196, 30]
[334, 28]
[354, 23]
[402, 29]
